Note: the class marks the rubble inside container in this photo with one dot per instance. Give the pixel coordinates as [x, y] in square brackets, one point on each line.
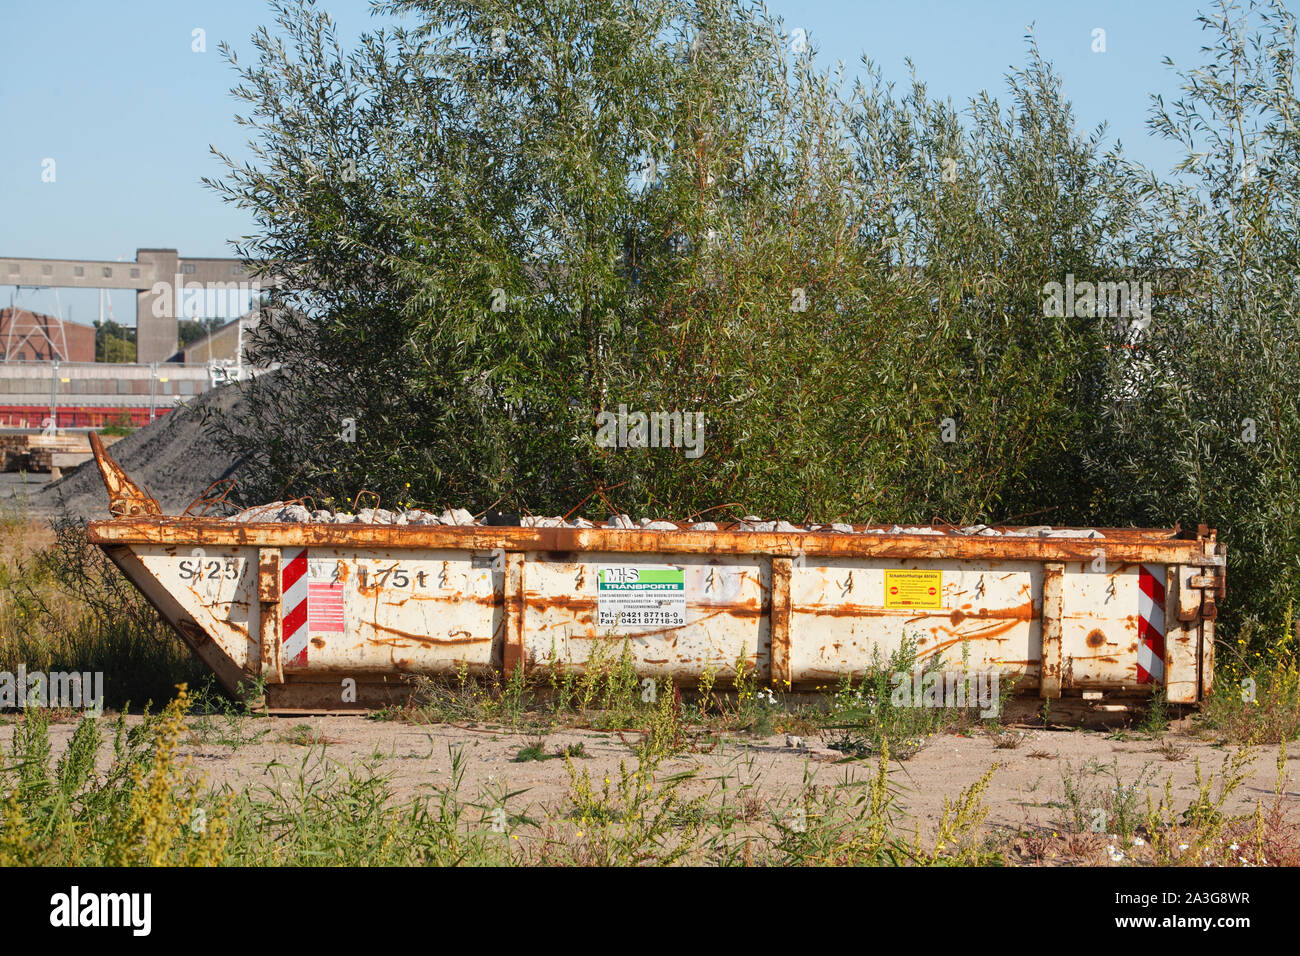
[296, 513]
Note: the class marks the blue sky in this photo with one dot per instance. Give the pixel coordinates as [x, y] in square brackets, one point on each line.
[115, 95]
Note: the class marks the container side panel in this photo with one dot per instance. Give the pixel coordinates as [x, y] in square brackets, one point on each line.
[217, 587]
[1103, 637]
[1182, 663]
[376, 611]
[678, 614]
[847, 613]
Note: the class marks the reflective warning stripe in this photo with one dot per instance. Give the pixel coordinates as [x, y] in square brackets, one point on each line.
[1151, 624]
[293, 592]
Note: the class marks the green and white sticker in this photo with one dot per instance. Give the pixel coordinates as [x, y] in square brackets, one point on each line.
[641, 596]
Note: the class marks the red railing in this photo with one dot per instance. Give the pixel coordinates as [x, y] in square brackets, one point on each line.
[76, 416]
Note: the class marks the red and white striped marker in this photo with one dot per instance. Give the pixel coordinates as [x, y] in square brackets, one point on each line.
[293, 598]
[1151, 624]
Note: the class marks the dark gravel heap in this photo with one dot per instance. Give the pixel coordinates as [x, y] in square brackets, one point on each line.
[173, 459]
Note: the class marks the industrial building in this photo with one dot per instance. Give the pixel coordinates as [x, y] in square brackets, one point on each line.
[48, 373]
[27, 336]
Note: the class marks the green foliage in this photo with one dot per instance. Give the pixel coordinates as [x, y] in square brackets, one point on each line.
[506, 217]
[113, 342]
[1210, 427]
[119, 425]
[678, 215]
[140, 811]
[1256, 696]
[147, 807]
[1193, 836]
[191, 330]
[1155, 720]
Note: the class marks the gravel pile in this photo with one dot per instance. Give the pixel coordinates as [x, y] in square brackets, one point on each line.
[173, 459]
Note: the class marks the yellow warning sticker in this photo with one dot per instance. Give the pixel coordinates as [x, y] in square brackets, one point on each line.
[923, 589]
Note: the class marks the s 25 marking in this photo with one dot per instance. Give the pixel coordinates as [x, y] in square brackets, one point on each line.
[197, 569]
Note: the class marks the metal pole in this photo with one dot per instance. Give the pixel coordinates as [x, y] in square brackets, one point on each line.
[54, 396]
[153, 388]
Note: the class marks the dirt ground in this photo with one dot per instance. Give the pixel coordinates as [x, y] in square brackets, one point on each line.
[1027, 794]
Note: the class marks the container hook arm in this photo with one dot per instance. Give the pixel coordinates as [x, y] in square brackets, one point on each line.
[125, 497]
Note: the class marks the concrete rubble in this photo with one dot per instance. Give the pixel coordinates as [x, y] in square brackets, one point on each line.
[295, 513]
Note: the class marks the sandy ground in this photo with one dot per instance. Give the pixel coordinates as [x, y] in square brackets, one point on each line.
[1027, 793]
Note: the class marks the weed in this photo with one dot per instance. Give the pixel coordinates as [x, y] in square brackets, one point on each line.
[856, 826]
[535, 749]
[225, 722]
[665, 735]
[868, 714]
[1256, 696]
[143, 811]
[1155, 720]
[1008, 740]
[305, 735]
[1097, 800]
[1171, 750]
[1192, 836]
[638, 817]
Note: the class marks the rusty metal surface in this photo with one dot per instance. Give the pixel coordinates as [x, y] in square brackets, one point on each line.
[1058, 615]
[1122, 544]
[1049, 679]
[269, 614]
[222, 657]
[1182, 666]
[1213, 552]
[429, 611]
[727, 599]
[513, 601]
[803, 623]
[125, 497]
[780, 619]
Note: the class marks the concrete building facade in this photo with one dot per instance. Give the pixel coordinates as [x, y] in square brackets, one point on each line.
[167, 286]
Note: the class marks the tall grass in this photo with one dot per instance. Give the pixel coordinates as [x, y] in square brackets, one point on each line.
[65, 607]
[147, 807]
[1256, 697]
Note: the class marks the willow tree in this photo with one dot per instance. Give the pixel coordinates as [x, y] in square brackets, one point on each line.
[450, 206]
[1212, 431]
[502, 219]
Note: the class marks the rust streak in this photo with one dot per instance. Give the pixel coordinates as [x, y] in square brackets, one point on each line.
[423, 640]
[1021, 612]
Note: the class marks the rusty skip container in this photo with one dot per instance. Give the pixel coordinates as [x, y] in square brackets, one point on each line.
[333, 616]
